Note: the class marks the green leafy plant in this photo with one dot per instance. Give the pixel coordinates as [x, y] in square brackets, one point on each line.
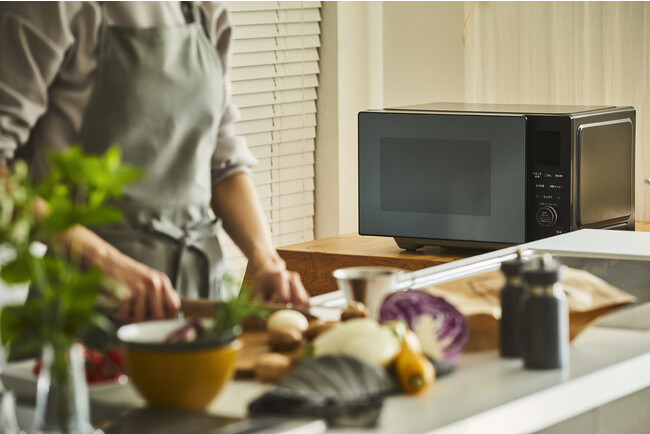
[64, 295]
[232, 313]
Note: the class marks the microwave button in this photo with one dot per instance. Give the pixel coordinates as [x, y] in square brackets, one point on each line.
[546, 216]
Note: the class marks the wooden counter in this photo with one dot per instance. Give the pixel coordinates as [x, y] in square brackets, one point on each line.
[316, 260]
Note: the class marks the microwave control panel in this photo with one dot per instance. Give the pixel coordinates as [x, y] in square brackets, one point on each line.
[549, 176]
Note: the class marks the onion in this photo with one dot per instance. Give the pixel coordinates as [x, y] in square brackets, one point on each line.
[285, 319]
[363, 338]
[441, 328]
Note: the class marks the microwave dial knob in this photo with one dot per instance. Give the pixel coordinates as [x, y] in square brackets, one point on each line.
[546, 216]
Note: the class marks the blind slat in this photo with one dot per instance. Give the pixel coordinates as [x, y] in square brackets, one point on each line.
[293, 238]
[275, 124]
[274, 84]
[237, 6]
[270, 137]
[287, 200]
[285, 148]
[292, 135]
[289, 226]
[277, 70]
[277, 43]
[267, 189]
[274, 57]
[292, 213]
[274, 30]
[275, 110]
[281, 175]
[273, 17]
[265, 152]
[277, 97]
[284, 161]
[293, 199]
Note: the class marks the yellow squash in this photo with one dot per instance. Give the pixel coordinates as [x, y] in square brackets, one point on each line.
[415, 373]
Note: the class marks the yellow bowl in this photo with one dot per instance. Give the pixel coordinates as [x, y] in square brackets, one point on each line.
[187, 375]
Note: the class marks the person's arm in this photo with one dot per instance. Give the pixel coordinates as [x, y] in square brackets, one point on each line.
[235, 201]
[150, 294]
[234, 197]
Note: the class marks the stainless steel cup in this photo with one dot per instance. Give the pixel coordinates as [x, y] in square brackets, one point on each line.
[369, 285]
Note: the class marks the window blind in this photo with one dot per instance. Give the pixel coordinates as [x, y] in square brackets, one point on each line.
[274, 75]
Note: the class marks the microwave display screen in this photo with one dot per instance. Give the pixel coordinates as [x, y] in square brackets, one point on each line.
[548, 148]
[436, 176]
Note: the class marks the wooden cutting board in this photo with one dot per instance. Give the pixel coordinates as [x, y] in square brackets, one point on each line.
[256, 343]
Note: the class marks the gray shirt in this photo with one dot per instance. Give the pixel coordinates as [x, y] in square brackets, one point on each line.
[48, 57]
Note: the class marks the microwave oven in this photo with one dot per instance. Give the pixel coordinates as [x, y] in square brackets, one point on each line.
[490, 176]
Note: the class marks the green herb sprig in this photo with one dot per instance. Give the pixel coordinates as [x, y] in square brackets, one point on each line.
[232, 312]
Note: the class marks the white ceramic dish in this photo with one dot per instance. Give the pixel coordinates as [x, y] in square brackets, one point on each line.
[19, 377]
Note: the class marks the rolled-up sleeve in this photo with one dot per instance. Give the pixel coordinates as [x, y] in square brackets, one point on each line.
[31, 53]
[232, 154]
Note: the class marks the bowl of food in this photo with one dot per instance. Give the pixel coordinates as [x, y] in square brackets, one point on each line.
[172, 365]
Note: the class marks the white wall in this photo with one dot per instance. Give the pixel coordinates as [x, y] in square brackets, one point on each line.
[373, 55]
[422, 52]
[390, 54]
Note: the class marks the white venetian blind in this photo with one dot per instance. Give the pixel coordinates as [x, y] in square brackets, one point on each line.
[274, 78]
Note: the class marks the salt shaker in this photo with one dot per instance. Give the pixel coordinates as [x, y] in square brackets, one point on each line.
[511, 296]
[545, 316]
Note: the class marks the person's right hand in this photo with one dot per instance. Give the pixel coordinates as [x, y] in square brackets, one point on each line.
[150, 294]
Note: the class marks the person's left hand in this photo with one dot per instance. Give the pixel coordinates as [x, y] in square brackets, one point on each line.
[274, 283]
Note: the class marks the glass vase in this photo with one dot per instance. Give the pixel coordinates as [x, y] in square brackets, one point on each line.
[62, 403]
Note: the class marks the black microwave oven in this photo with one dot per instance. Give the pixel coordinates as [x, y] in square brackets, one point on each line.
[489, 176]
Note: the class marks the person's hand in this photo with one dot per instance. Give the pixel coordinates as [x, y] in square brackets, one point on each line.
[274, 283]
[149, 292]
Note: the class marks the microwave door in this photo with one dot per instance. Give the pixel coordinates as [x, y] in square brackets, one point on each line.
[441, 178]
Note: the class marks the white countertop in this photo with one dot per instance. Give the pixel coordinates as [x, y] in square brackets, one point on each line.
[485, 394]
[489, 394]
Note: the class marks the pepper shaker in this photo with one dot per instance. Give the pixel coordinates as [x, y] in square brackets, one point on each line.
[511, 296]
[546, 316]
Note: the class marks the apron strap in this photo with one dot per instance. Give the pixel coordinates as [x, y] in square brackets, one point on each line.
[101, 37]
[194, 14]
[201, 239]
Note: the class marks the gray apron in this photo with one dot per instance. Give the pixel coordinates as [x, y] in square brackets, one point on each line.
[158, 95]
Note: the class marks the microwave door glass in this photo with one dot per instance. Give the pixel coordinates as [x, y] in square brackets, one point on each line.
[454, 180]
[442, 177]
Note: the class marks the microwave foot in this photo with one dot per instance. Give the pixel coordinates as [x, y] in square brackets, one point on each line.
[406, 244]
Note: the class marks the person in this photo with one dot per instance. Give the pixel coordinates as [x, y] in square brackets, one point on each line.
[153, 78]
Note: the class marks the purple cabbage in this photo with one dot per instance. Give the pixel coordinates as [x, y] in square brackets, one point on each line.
[412, 305]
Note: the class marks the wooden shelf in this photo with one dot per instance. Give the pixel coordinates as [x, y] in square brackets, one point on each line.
[316, 260]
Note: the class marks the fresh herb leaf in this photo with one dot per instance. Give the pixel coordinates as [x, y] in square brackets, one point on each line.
[231, 313]
[63, 302]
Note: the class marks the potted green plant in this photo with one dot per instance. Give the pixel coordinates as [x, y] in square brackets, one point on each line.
[64, 295]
